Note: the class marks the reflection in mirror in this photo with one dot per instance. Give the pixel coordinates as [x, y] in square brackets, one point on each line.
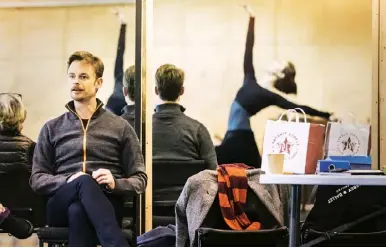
[244, 65]
[328, 42]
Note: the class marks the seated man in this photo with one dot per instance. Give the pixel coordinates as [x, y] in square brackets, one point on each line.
[175, 135]
[85, 161]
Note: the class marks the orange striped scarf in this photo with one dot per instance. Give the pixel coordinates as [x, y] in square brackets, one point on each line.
[232, 193]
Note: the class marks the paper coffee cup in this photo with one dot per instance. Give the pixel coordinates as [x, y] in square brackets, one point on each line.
[276, 163]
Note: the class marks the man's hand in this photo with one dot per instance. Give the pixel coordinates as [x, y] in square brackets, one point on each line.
[334, 118]
[104, 176]
[119, 16]
[75, 176]
[249, 10]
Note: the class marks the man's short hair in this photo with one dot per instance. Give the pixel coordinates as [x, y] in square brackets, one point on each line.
[169, 81]
[88, 58]
[129, 81]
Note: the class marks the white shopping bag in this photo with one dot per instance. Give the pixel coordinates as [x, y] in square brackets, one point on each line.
[347, 139]
[302, 144]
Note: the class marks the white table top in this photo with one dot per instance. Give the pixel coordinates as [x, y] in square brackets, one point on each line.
[370, 180]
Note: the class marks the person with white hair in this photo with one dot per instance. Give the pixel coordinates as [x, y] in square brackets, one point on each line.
[239, 145]
[16, 151]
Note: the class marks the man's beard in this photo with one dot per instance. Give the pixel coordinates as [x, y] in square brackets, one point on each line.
[80, 97]
[84, 96]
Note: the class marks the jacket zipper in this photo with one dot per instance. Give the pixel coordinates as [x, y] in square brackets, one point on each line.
[84, 134]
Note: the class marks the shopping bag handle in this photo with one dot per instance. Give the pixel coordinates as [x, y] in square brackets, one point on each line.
[289, 117]
[293, 111]
[354, 119]
[304, 113]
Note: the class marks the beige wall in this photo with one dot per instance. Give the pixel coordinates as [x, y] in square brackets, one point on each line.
[328, 40]
[35, 44]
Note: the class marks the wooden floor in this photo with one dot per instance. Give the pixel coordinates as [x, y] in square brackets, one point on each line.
[6, 240]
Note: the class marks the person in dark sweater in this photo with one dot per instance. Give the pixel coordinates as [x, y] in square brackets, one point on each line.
[128, 112]
[239, 145]
[116, 102]
[86, 160]
[176, 136]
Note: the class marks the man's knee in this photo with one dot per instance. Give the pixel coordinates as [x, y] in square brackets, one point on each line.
[85, 184]
[76, 211]
[84, 179]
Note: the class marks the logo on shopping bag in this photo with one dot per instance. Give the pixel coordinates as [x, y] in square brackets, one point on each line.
[348, 143]
[286, 143]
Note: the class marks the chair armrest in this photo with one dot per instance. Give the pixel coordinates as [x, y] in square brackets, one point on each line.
[16, 211]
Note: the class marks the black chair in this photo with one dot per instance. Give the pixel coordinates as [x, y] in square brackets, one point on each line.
[209, 237]
[169, 178]
[17, 195]
[215, 232]
[58, 236]
[349, 239]
[353, 234]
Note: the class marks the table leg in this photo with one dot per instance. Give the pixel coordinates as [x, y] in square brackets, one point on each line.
[294, 224]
